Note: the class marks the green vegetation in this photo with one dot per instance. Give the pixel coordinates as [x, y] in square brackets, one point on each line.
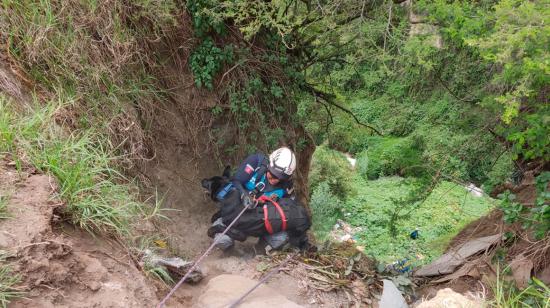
[96, 198]
[326, 210]
[332, 168]
[459, 95]
[370, 206]
[8, 281]
[390, 156]
[206, 60]
[536, 217]
[4, 207]
[507, 295]
[88, 65]
[440, 216]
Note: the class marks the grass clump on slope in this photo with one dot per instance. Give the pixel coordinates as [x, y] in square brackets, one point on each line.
[8, 281]
[98, 198]
[89, 64]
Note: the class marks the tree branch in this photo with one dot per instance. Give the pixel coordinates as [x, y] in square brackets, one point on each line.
[330, 100]
[329, 116]
[471, 101]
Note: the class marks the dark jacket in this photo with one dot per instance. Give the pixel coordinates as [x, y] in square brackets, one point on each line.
[252, 222]
[253, 171]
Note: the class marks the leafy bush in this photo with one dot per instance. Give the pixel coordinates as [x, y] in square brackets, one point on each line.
[390, 156]
[203, 22]
[326, 209]
[501, 170]
[513, 36]
[330, 167]
[206, 60]
[536, 217]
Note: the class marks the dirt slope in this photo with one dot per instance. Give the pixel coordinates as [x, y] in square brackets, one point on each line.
[62, 267]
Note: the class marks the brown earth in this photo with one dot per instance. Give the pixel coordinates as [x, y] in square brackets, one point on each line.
[175, 146]
[62, 266]
[527, 256]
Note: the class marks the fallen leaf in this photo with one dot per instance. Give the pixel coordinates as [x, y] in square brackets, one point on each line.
[161, 244]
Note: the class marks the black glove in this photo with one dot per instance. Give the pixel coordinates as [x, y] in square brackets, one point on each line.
[247, 201]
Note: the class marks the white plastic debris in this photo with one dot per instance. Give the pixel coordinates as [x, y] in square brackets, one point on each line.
[174, 265]
[391, 296]
[474, 190]
[352, 161]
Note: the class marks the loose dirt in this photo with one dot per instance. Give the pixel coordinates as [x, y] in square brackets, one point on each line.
[62, 267]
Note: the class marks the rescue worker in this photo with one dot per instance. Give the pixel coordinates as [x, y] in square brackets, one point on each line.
[257, 176]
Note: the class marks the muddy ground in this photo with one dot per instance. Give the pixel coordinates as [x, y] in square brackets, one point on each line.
[62, 266]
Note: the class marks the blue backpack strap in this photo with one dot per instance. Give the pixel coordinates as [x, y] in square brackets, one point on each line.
[224, 191]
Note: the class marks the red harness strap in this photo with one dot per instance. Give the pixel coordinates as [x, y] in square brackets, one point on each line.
[267, 223]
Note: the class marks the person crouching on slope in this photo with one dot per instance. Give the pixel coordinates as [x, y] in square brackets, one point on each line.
[258, 176]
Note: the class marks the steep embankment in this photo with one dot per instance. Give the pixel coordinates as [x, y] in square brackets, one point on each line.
[58, 265]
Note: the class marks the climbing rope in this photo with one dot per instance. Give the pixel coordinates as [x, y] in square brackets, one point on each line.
[163, 302]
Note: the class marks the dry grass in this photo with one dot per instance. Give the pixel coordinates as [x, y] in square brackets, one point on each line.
[98, 53]
[335, 276]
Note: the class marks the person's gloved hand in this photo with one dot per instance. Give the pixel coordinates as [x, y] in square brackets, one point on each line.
[247, 201]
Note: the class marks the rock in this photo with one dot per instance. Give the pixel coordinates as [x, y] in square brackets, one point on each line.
[448, 262]
[448, 298]
[223, 290]
[391, 296]
[521, 270]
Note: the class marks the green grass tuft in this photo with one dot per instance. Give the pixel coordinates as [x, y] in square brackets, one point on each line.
[4, 207]
[8, 281]
[98, 197]
[507, 295]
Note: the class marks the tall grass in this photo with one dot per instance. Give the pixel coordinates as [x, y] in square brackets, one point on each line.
[101, 53]
[506, 295]
[98, 197]
[8, 282]
[87, 61]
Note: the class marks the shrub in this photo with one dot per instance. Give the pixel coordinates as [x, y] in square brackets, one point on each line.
[206, 60]
[500, 171]
[330, 167]
[325, 207]
[390, 156]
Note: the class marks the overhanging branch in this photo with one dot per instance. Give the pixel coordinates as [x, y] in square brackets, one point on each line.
[331, 100]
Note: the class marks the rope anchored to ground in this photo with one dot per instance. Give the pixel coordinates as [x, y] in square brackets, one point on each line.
[201, 258]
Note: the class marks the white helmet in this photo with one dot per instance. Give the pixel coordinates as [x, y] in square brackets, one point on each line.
[282, 163]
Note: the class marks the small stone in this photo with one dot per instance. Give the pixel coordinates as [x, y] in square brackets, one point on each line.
[94, 285]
